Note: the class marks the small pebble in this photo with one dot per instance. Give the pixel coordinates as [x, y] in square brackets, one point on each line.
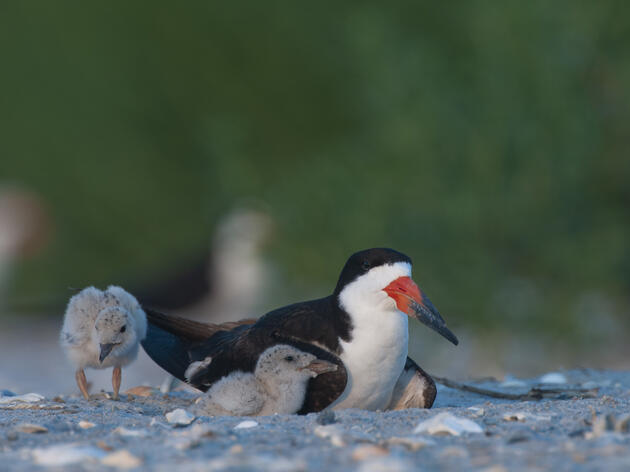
[516, 416]
[141, 391]
[411, 443]
[31, 428]
[66, 454]
[246, 424]
[476, 411]
[183, 444]
[553, 378]
[512, 382]
[454, 452]
[122, 459]
[104, 446]
[236, 449]
[86, 424]
[133, 433]
[518, 438]
[332, 433]
[386, 464]
[180, 417]
[447, 423]
[367, 451]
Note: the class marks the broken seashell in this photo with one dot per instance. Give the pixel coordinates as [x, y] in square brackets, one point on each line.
[26, 398]
[30, 428]
[66, 454]
[122, 459]
[180, 417]
[246, 424]
[447, 423]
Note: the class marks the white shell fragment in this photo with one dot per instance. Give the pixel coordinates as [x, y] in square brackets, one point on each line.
[122, 459]
[332, 433]
[86, 424]
[476, 411]
[180, 417]
[553, 378]
[133, 433]
[446, 423]
[512, 382]
[66, 454]
[246, 424]
[30, 428]
[26, 398]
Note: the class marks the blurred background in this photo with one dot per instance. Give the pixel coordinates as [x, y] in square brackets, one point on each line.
[221, 160]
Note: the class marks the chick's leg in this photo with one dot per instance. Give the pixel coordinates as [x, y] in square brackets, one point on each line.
[116, 375]
[82, 383]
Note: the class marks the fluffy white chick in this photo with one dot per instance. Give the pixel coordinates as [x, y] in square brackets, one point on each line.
[278, 384]
[102, 329]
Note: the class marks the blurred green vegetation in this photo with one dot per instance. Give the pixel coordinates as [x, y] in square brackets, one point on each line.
[487, 140]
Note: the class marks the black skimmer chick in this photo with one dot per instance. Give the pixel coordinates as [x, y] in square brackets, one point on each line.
[277, 385]
[102, 329]
[363, 322]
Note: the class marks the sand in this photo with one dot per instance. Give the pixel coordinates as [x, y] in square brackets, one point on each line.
[566, 432]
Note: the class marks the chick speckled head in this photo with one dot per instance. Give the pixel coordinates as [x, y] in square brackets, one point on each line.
[284, 362]
[114, 331]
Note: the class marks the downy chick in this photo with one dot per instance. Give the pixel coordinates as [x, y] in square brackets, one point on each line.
[102, 329]
[278, 384]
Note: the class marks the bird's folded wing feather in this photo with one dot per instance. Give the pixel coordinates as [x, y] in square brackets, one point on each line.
[414, 388]
[188, 329]
[173, 342]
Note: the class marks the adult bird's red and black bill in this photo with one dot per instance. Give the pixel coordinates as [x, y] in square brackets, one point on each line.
[362, 327]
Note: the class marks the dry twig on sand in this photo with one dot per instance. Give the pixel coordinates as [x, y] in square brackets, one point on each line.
[535, 393]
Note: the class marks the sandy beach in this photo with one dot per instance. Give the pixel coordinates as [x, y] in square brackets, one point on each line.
[582, 424]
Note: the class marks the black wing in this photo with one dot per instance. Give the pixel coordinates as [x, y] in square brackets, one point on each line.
[174, 343]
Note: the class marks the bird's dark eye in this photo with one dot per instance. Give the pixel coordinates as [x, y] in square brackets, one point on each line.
[289, 359]
[123, 329]
[366, 266]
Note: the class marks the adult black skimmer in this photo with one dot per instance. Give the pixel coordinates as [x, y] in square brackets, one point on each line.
[362, 326]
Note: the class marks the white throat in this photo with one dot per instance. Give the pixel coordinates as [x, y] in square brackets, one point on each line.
[283, 397]
[376, 353]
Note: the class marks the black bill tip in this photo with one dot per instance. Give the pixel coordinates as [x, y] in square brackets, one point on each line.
[427, 314]
[105, 350]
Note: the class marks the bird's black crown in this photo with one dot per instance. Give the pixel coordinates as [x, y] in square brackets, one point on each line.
[361, 262]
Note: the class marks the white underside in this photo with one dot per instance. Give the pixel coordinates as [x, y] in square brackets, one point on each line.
[374, 362]
[376, 354]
